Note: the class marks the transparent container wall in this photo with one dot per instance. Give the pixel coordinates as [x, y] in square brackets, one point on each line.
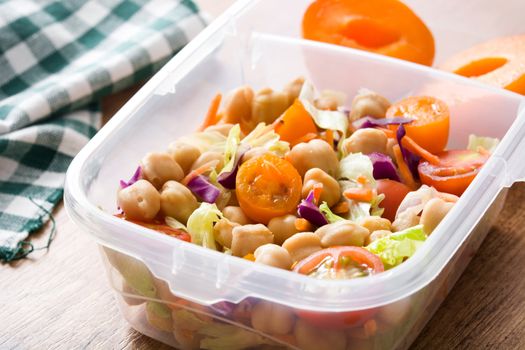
[150, 307]
[179, 104]
[456, 25]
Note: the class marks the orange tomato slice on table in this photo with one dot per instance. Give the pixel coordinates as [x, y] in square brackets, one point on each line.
[455, 171]
[386, 27]
[267, 187]
[431, 123]
[499, 62]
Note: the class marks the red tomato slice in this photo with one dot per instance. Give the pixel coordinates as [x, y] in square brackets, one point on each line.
[456, 170]
[338, 320]
[162, 228]
[394, 193]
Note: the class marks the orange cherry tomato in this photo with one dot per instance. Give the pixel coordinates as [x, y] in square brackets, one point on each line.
[386, 27]
[295, 124]
[499, 62]
[268, 186]
[394, 193]
[431, 121]
[456, 170]
[338, 258]
[160, 227]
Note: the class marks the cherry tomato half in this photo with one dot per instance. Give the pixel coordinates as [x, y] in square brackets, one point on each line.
[456, 170]
[334, 260]
[268, 186]
[431, 121]
[394, 192]
[160, 227]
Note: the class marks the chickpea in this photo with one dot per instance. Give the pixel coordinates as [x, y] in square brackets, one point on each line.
[254, 153]
[247, 238]
[293, 89]
[330, 100]
[313, 338]
[374, 236]
[222, 231]
[331, 189]
[302, 244]
[222, 128]
[405, 220]
[158, 168]
[235, 214]
[268, 105]
[271, 318]
[207, 157]
[375, 223]
[433, 212]
[366, 141]
[342, 233]
[184, 154]
[140, 201]
[314, 154]
[273, 255]
[282, 227]
[177, 201]
[238, 105]
[368, 103]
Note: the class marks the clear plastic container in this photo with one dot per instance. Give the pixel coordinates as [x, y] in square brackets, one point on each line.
[188, 296]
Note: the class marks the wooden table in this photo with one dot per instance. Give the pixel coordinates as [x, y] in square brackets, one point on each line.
[60, 299]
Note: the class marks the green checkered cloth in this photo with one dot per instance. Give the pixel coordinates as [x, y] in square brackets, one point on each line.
[57, 59]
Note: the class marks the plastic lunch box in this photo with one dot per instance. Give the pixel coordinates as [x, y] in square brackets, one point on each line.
[187, 296]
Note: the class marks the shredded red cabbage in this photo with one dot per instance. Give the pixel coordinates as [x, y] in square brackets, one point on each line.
[309, 211]
[206, 191]
[410, 158]
[227, 179]
[369, 122]
[136, 177]
[384, 168]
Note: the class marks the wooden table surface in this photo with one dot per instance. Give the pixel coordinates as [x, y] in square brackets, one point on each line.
[60, 299]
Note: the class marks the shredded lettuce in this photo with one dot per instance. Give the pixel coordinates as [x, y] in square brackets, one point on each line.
[174, 223]
[220, 336]
[332, 120]
[487, 143]
[265, 137]
[206, 141]
[200, 225]
[397, 247]
[352, 167]
[230, 148]
[375, 210]
[328, 214]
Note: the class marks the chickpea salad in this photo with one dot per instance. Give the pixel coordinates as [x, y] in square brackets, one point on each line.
[296, 180]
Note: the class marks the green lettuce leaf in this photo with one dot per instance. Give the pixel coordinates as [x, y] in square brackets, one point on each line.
[174, 223]
[398, 246]
[328, 214]
[206, 141]
[230, 148]
[331, 120]
[200, 225]
[487, 143]
[220, 336]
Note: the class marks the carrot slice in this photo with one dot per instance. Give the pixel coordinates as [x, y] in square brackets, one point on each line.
[359, 194]
[329, 137]
[406, 175]
[302, 225]
[199, 171]
[341, 208]
[318, 190]
[211, 115]
[413, 147]
[306, 138]
[249, 257]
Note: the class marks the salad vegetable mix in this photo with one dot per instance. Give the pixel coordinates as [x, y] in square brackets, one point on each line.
[295, 180]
